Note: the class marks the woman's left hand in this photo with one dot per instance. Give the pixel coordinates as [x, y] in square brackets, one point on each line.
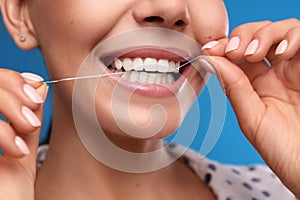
[266, 99]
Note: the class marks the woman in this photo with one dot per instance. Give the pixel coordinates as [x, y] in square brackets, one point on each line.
[67, 31]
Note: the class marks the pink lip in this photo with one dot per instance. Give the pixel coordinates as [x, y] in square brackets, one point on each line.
[155, 53]
[152, 90]
[176, 55]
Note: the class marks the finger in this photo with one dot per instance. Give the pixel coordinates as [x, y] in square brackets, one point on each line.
[12, 81]
[32, 79]
[267, 36]
[32, 140]
[10, 144]
[21, 117]
[240, 93]
[240, 39]
[215, 47]
[289, 46]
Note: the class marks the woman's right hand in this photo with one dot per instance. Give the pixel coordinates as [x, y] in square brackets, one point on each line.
[21, 103]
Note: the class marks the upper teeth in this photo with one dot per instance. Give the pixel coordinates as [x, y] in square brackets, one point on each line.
[146, 64]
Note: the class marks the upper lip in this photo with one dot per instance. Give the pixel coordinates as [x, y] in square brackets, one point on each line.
[171, 54]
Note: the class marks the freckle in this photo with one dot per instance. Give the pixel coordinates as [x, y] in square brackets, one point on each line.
[137, 185]
[72, 22]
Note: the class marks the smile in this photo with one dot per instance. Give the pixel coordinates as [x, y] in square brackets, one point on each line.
[150, 72]
[147, 70]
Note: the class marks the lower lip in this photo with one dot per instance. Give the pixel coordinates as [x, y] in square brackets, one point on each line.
[151, 90]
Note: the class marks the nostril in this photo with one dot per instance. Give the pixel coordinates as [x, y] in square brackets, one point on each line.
[179, 23]
[152, 19]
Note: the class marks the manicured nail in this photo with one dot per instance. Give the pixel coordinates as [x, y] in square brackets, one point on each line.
[252, 47]
[31, 117]
[282, 47]
[22, 145]
[46, 92]
[33, 94]
[32, 77]
[210, 45]
[233, 44]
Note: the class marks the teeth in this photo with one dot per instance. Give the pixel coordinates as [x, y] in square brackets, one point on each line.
[170, 79]
[143, 77]
[138, 64]
[149, 78]
[163, 78]
[147, 64]
[147, 70]
[158, 79]
[134, 76]
[117, 64]
[150, 64]
[127, 64]
[163, 65]
[126, 75]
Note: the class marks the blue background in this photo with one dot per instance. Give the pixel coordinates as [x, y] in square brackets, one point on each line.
[232, 147]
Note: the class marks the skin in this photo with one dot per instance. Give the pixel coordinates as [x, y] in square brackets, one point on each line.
[70, 172]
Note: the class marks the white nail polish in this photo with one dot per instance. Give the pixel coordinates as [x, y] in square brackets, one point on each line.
[22, 145]
[252, 47]
[210, 45]
[31, 117]
[233, 44]
[32, 77]
[282, 47]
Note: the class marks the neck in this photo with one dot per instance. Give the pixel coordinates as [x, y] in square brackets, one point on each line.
[70, 166]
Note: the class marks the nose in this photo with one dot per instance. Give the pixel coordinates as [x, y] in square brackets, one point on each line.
[171, 14]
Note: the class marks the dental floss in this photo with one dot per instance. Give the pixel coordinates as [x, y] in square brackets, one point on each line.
[194, 59]
[81, 77]
[103, 75]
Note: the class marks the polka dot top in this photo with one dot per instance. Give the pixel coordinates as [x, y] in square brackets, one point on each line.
[228, 182]
[231, 182]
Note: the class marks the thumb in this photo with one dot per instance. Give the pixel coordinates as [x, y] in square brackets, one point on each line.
[245, 101]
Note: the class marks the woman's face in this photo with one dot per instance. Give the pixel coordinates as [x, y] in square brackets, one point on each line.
[67, 30]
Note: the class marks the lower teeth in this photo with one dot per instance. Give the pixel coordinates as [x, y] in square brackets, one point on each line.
[149, 78]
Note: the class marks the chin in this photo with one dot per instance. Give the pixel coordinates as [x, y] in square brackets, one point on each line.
[138, 117]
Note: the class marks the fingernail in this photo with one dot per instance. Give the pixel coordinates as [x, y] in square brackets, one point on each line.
[46, 93]
[282, 47]
[252, 47]
[210, 45]
[233, 44]
[32, 77]
[33, 94]
[22, 145]
[31, 117]
[207, 66]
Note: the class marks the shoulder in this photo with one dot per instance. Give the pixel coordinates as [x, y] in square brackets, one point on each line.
[235, 182]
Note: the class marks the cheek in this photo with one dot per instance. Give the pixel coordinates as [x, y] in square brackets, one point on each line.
[67, 20]
[209, 20]
[68, 30]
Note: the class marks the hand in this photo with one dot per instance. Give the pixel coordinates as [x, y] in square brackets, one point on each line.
[265, 99]
[21, 101]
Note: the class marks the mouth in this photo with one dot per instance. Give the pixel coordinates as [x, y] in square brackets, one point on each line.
[149, 72]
